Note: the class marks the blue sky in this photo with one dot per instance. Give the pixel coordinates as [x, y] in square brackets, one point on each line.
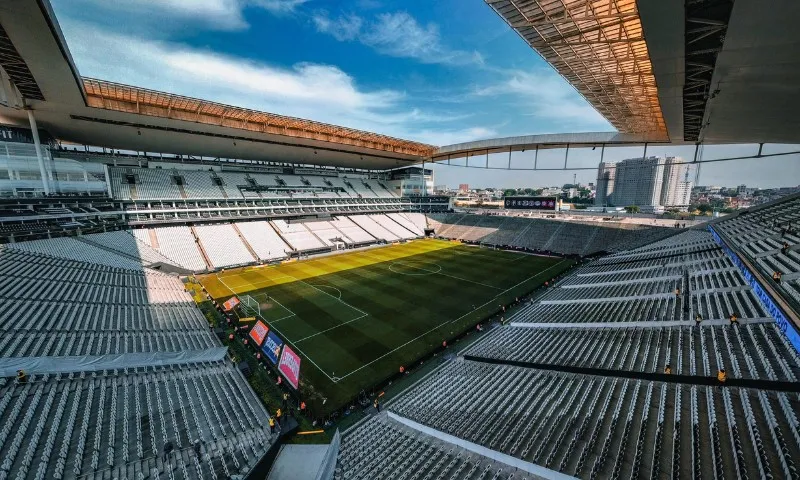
[436, 71]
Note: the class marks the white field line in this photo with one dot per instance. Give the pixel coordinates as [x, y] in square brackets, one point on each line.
[331, 328]
[448, 321]
[267, 297]
[439, 272]
[289, 341]
[328, 294]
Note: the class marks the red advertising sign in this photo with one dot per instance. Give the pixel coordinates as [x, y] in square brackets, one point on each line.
[259, 332]
[290, 366]
[230, 304]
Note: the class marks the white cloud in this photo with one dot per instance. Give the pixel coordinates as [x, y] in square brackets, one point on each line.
[279, 6]
[319, 92]
[396, 34]
[545, 95]
[344, 28]
[214, 14]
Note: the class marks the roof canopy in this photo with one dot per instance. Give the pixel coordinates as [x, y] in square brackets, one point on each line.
[598, 47]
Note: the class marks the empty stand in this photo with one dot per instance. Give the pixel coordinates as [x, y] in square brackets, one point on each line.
[568, 237]
[374, 228]
[223, 246]
[263, 240]
[180, 245]
[298, 236]
[115, 424]
[350, 230]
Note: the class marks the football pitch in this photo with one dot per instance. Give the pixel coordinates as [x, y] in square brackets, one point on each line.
[356, 317]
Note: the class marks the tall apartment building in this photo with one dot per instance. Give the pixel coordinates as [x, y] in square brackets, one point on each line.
[638, 182]
[605, 184]
[676, 189]
[651, 183]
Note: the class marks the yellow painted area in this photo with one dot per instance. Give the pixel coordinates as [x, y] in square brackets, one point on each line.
[247, 279]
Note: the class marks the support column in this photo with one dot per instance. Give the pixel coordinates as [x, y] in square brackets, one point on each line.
[38, 146]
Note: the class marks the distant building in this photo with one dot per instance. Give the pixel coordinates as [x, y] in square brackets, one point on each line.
[463, 188]
[654, 184]
[638, 182]
[676, 189]
[605, 184]
[411, 181]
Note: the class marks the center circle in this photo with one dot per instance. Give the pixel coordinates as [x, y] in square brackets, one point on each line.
[415, 269]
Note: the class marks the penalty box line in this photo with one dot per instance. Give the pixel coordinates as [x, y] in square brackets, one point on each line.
[267, 297]
[448, 321]
[294, 346]
[294, 342]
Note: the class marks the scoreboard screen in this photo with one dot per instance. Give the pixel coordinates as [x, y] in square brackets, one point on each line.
[530, 203]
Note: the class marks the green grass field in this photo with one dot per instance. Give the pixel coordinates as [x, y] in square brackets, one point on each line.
[355, 318]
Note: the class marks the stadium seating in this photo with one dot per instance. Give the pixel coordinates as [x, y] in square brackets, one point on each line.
[115, 424]
[566, 237]
[604, 427]
[298, 236]
[200, 186]
[263, 240]
[123, 242]
[351, 231]
[374, 228]
[325, 231]
[74, 249]
[222, 245]
[393, 226]
[761, 233]
[155, 184]
[649, 349]
[71, 304]
[384, 448]
[418, 219]
[511, 393]
[178, 244]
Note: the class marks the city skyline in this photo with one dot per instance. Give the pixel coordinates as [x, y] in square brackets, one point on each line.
[763, 173]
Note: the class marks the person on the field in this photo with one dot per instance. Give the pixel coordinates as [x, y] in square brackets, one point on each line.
[668, 369]
[279, 416]
[377, 405]
[733, 319]
[22, 377]
[776, 276]
[271, 425]
[197, 444]
[698, 319]
[722, 376]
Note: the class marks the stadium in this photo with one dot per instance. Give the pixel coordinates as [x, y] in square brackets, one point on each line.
[197, 290]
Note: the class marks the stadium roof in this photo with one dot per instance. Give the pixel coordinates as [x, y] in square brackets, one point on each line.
[35, 58]
[598, 46]
[702, 71]
[710, 71]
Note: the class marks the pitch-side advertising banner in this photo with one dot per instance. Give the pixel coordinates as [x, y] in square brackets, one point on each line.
[259, 332]
[290, 366]
[272, 348]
